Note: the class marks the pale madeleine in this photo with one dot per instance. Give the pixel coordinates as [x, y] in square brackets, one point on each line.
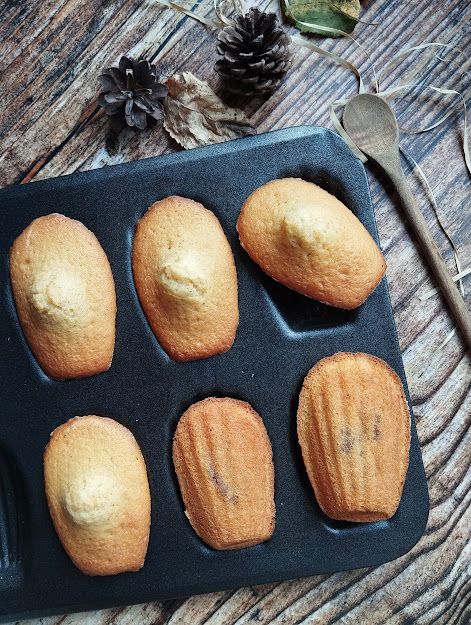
[65, 296]
[98, 495]
[308, 240]
[186, 279]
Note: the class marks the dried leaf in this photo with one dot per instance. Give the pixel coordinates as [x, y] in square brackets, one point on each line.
[196, 116]
[317, 16]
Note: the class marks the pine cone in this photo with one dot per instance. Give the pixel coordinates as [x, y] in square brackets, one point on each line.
[133, 89]
[256, 53]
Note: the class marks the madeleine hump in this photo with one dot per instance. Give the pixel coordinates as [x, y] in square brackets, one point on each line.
[223, 460]
[98, 495]
[186, 279]
[65, 296]
[305, 238]
[354, 432]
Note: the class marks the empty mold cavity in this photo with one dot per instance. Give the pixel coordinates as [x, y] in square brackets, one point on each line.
[11, 522]
[348, 527]
[304, 314]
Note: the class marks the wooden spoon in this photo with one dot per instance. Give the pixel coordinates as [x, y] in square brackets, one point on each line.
[372, 124]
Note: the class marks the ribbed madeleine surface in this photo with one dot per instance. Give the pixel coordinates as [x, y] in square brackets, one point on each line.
[223, 460]
[354, 433]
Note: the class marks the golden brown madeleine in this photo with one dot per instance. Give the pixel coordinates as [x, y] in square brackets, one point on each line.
[65, 296]
[223, 460]
[309, 241]
[186, 279]
[98, 495]
[354, 432]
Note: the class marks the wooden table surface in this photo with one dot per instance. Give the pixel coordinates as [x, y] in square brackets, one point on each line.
[51, 54]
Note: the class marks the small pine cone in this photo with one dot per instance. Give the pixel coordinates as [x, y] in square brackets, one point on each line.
[132, 92]
[256, 53]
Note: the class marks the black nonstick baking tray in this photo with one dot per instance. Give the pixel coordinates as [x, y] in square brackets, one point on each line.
[281, 335]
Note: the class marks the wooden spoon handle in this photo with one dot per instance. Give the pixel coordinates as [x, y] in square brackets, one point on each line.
[432, 255]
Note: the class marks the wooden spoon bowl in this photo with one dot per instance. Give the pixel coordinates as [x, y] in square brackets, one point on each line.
[371, 124]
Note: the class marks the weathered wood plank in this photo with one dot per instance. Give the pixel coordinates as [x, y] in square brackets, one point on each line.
[52, 53]
[56, 97]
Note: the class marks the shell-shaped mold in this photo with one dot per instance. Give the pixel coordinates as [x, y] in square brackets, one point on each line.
[12, 521]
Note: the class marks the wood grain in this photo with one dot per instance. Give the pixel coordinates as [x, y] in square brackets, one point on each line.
[51, 53]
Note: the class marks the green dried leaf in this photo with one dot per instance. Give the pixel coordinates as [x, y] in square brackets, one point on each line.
[309, 15]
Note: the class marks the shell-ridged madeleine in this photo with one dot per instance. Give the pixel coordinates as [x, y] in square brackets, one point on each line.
[223, 460]
[186, 279]
[65, 296]
[354, 432]
[98, 495]
[309, 241]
